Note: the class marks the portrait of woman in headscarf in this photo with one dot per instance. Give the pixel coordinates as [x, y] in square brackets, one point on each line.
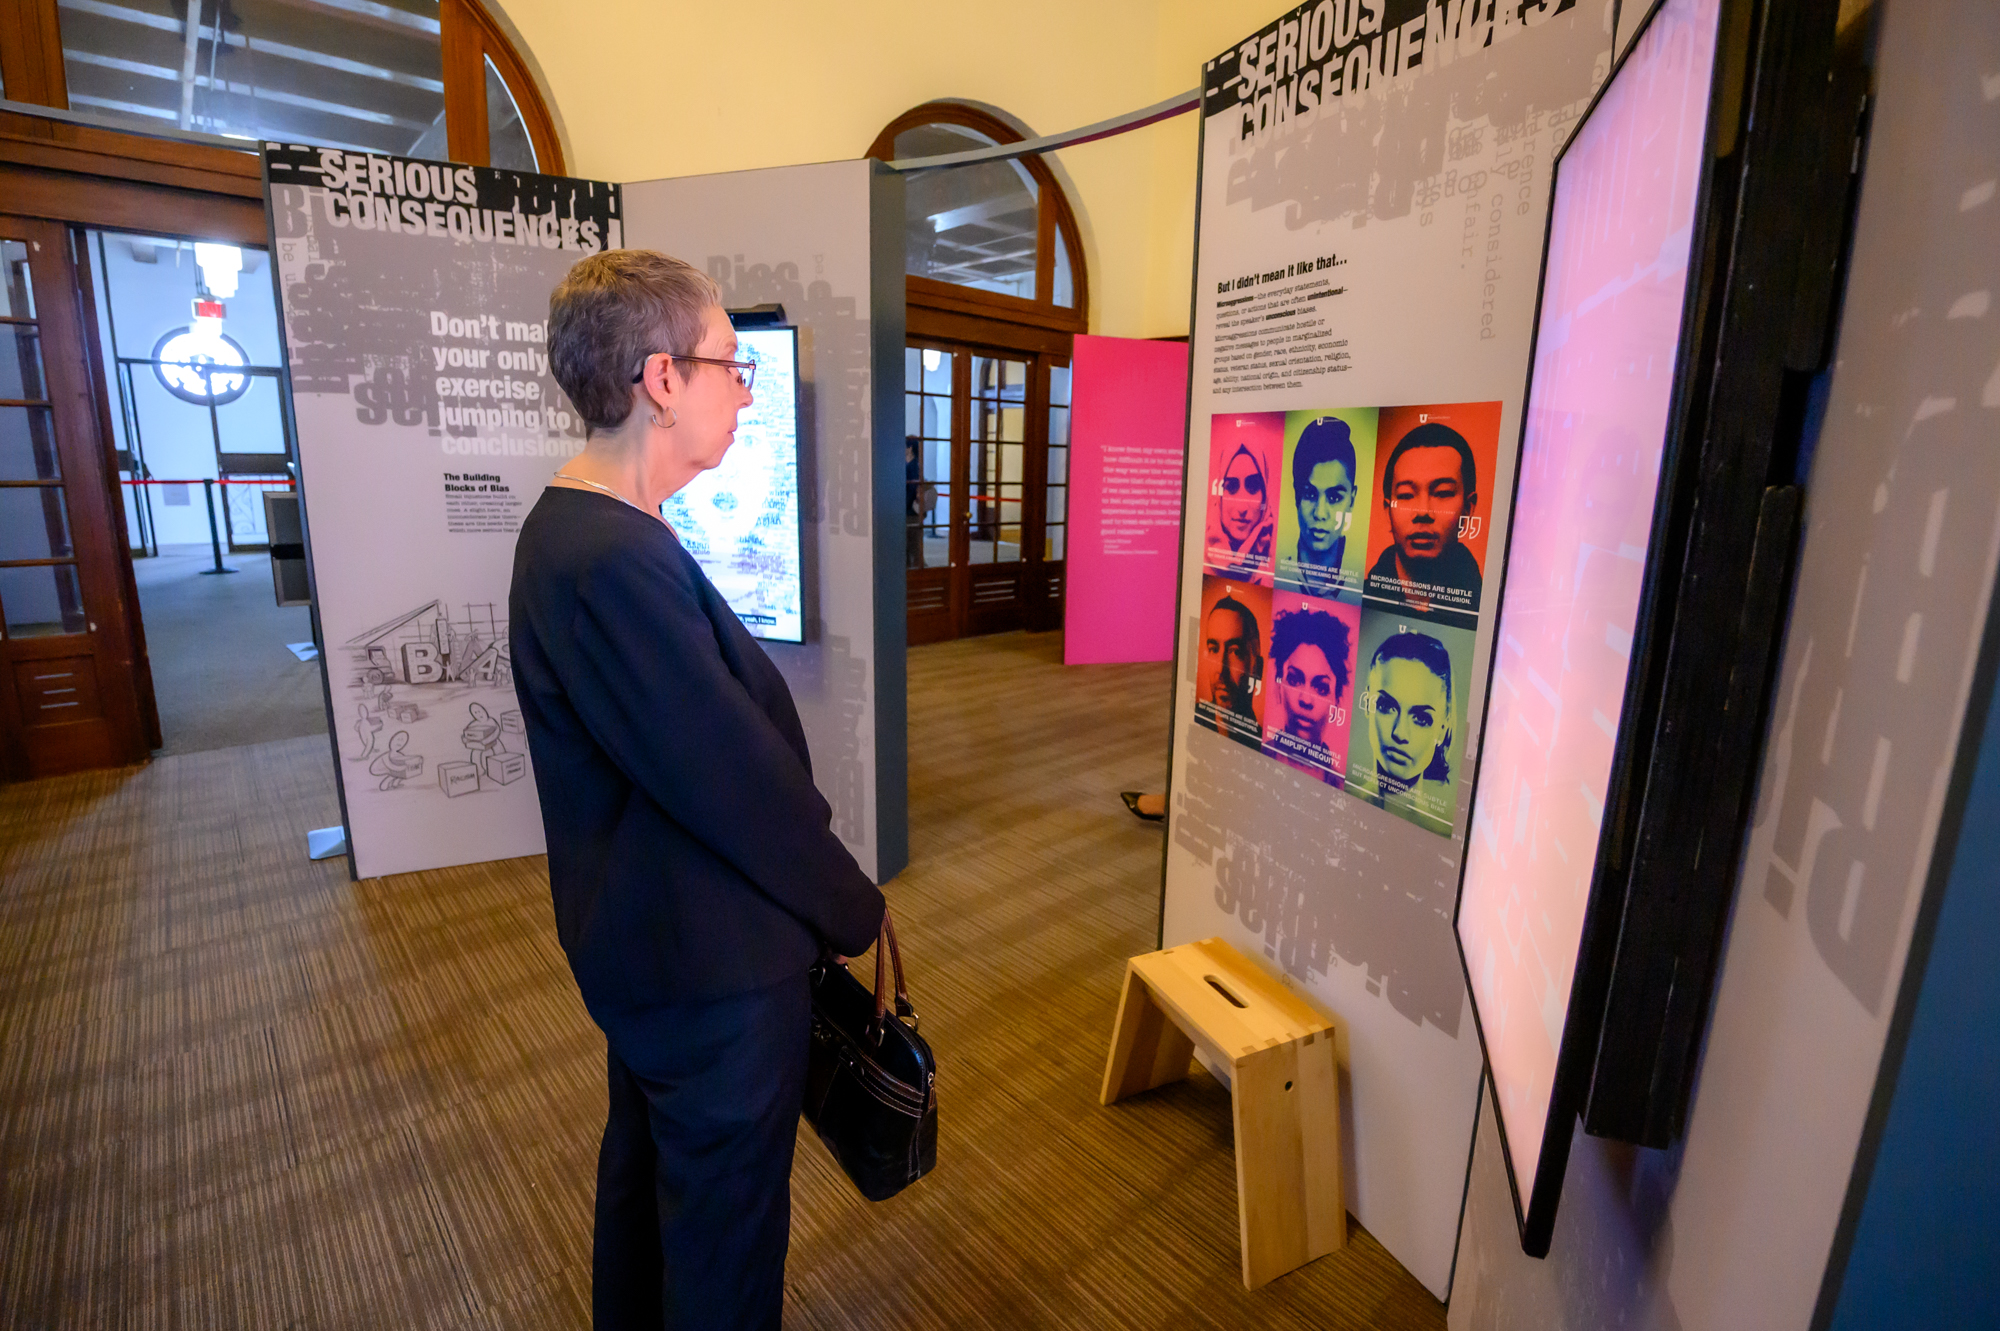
[1242, 516]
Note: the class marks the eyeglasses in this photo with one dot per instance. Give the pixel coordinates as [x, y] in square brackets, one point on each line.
[745, 370]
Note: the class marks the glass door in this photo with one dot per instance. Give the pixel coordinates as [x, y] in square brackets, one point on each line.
[996, 477]
[68, 696]
[932, 428]
[986, 447]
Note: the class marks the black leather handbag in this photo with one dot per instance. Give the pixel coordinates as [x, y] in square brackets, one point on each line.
[871, 1083]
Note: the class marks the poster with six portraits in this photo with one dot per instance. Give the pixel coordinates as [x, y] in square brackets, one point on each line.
[1344, 553]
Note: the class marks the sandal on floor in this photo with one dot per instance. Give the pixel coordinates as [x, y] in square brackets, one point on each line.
[1131, 798]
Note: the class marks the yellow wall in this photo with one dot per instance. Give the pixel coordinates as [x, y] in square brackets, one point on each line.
[650, 90]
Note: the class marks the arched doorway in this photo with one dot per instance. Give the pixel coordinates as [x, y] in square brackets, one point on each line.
[996, 292]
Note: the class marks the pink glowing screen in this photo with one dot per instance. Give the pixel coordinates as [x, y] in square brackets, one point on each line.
[1596, 424]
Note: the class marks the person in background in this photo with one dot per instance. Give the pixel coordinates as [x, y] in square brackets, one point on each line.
[692, 864]
[1146, 805]
[914, 486]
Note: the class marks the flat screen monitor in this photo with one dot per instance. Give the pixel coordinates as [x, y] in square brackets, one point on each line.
[741, 520]
[1597, 444]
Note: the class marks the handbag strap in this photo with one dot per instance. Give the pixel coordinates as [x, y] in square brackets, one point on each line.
[896, 963]
[885, 947]
[881, 946]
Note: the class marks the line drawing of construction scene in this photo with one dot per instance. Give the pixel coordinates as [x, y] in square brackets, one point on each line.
[433, 703]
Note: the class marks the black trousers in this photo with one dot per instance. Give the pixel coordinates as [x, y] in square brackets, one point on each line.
[694, 1200]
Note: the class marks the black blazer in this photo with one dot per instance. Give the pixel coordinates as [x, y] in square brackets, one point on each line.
[690, 854]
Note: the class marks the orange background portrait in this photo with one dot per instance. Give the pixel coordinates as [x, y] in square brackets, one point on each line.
[1258, 601]
[1479, 422]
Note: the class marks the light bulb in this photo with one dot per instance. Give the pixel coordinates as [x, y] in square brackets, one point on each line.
[220, 265]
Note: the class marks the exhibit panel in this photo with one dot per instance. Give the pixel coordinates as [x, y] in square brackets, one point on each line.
[824, 243]
[1124, 508]
[415, 303]
[1373, 194]
[1746, 1222]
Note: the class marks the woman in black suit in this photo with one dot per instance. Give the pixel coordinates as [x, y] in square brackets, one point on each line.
[691, 859]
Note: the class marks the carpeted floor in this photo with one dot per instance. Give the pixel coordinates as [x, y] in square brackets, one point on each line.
[237, 1090]
[217, 642]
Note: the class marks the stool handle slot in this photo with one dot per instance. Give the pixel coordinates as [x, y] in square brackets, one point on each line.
[1217, 985]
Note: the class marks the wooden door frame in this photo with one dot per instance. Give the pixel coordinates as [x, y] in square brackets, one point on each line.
[1034, 607]
[928, 626]
[97, 538]
[1054, 216]
[985, 322]
[84, 177]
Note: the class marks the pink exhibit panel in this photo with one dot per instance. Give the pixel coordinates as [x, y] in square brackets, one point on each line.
[1128, 438]
[1596, 423]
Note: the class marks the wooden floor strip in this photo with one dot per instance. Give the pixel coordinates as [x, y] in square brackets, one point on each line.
[237, 1090]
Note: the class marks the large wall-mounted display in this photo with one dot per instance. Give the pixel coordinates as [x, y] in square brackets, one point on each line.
[1654, 518]
[1372, 200]
[1597, 432]
[741, 520]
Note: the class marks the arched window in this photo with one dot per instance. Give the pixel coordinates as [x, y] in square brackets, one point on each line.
[1003, 230]
[996, 293]
[417, 78]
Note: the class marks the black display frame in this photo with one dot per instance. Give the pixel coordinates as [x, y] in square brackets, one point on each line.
[1780, 124]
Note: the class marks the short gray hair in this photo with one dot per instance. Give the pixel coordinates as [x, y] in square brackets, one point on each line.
[612, 311]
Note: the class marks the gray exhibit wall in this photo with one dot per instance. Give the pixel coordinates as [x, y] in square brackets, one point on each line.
[415, 300]
[1734, 1226]
[825, 241]
[1373, 194]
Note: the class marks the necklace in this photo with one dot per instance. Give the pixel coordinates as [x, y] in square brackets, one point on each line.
[605, 488]
[661, 517]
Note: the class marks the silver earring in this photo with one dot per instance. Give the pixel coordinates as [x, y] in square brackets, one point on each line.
[655, 417]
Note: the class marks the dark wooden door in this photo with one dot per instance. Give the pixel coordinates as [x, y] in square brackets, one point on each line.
[986, 516]
[69, 693]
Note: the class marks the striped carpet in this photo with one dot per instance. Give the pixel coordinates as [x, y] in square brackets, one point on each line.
[237, 1090]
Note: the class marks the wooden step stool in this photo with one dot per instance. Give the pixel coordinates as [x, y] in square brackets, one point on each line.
[1283, 1084]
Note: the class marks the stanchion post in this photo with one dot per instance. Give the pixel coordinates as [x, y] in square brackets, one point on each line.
[214, 535]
